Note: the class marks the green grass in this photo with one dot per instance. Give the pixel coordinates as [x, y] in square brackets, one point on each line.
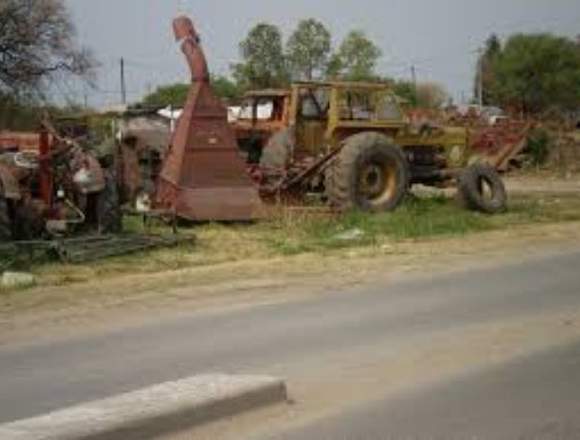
[417, 218]
[293, 232]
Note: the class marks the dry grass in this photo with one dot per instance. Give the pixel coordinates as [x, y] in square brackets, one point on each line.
[294, 232]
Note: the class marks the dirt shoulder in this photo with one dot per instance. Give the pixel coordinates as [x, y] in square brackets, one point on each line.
[127, 300]
[543, 182]
[290, 257]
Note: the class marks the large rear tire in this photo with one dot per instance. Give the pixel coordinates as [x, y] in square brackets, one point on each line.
[482, 189]
[277, 153]
[369, 174]
[5, 223]
[110, 216]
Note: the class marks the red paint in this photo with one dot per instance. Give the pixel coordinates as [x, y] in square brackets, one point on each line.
[45, 171]
[203, 177]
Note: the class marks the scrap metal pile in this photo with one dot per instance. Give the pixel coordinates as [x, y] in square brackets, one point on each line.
[348, 144]
[58, 201]
[57, 189]
[501, 144]
[493, 136]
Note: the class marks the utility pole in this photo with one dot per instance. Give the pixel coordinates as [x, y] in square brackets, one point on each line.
[123, 84]
[414, 78]
[85, 96]
[480, 53]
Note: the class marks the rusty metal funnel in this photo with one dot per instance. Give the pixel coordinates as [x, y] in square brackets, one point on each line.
[203, 177]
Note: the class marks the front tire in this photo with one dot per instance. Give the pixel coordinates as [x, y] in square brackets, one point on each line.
[370, 174]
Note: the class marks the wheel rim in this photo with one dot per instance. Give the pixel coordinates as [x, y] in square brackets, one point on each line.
[377, 182]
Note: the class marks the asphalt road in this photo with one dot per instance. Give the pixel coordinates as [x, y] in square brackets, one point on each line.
[534, 398]
[307, 341]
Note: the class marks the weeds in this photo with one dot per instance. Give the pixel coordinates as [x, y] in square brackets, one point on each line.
[291, 232]
[417, 218]
[539, 145]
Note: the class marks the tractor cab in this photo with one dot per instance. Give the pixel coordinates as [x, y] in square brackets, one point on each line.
[323, 114]
[261, 114]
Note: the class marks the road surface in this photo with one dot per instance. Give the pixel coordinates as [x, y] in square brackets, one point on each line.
[346, 354]
[536, 398]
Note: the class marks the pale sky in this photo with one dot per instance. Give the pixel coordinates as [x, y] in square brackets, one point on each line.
[439, 37]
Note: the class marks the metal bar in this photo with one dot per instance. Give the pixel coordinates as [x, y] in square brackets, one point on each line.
[45, 174]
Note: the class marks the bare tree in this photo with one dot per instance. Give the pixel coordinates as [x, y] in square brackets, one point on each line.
[37, 42]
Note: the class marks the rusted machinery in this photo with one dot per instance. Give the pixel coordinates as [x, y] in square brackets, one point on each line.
[11, 141]
[352, 144]
[348, 143]
[501, 144]
[55, 190]
[203, 176]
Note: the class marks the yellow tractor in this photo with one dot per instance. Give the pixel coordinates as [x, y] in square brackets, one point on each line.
[351, 143]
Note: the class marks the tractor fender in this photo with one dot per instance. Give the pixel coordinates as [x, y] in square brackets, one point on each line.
[9, 187]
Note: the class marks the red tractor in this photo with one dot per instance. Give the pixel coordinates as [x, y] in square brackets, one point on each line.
[56, 190]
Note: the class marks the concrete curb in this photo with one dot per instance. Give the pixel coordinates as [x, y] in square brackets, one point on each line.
[151, 412]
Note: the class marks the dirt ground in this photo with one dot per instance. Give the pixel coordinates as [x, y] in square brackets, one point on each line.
[129, 300]
[123, 300]
[547, 183]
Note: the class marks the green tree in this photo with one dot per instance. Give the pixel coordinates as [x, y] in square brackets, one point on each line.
[424, 94]
[407, 91]
[15, 115]
[485, 68]
[24, 115]
[537, 72]
[308, 49]
[263, 63]
[356, 58]
[334, 67]
[431, 95]
[173, 95]
[225, 88]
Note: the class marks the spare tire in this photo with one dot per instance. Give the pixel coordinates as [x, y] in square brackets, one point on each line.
[5, 223]
[482, 189]
[369, 174]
